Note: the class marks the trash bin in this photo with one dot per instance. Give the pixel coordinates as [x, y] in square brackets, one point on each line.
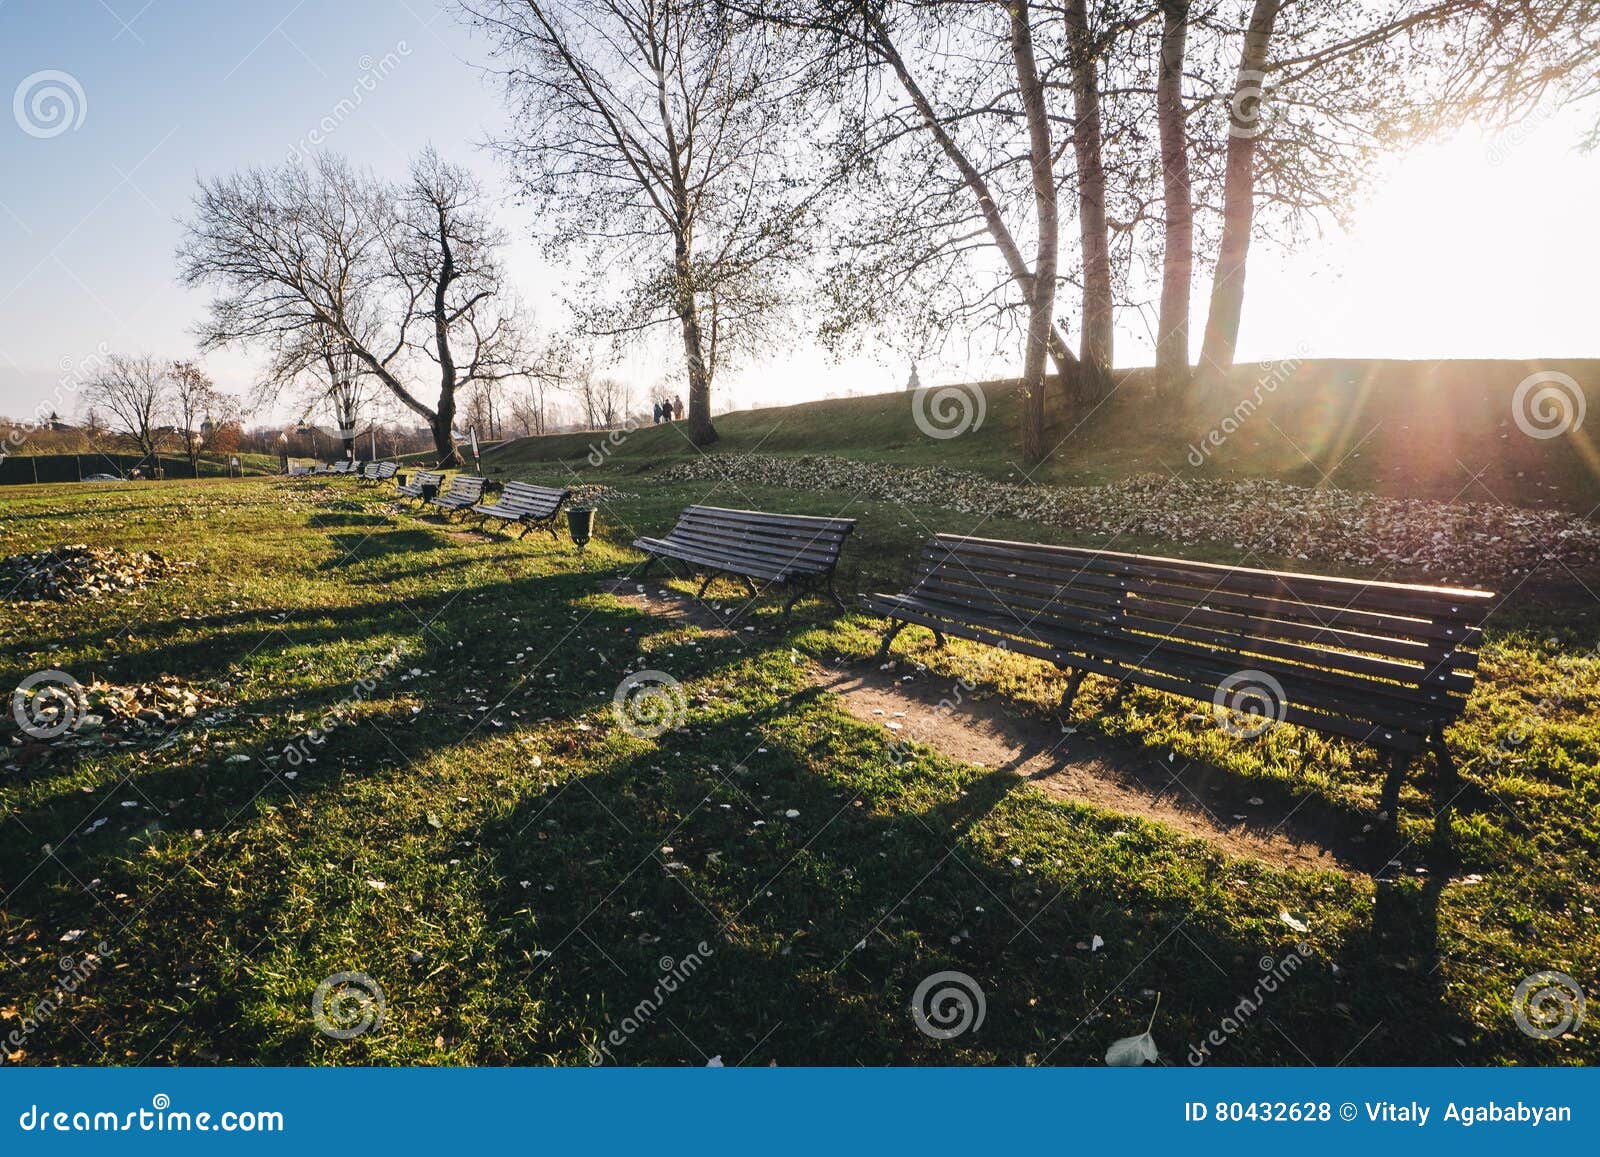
[580, 524]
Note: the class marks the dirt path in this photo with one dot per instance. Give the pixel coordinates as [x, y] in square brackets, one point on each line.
[1195, 799]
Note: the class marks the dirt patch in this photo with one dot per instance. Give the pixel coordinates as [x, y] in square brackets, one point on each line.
[1195, 799]
[672, 606]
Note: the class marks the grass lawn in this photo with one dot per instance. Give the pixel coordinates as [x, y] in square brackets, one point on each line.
[414, 771]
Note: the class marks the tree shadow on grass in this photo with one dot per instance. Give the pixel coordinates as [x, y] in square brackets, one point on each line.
[827, 890]
[826, 883]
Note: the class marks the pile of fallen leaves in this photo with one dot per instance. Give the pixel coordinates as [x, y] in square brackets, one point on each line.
[595, 494]
[78, 571]
[102, 714]
[1445, 541]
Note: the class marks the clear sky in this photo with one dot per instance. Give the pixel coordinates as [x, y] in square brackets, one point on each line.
[1478, 247]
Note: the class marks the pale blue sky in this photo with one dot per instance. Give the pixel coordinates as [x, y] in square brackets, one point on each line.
[1483, 247]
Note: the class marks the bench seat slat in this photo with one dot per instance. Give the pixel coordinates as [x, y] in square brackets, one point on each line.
[1389, 701]
[1140, 615]
[1342, 617]
[1434, 602]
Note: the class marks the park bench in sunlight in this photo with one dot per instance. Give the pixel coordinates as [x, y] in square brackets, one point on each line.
[420, 483]
[798, 551]
[533, 507]
[464, 491]
[378, 471]
[1381, 663]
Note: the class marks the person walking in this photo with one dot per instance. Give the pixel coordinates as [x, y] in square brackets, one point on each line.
[655, 411]
[677, 406]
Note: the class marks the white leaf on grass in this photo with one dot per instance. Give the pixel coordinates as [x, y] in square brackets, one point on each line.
[1297, 925]
[1132, 1051]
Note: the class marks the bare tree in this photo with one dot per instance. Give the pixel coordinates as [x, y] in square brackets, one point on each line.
[131, 395]
[308, 260]
[658, 132]
[194, 399]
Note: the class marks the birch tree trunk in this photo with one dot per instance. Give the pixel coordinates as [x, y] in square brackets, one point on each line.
[1177, 263]
[1042, 286]
[1094, 345]
[1245, 122]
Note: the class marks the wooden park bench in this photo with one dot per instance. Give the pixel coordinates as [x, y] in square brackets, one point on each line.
[464, 491]
[795, 550]
[1380, 663]
[379, 471]
[419, 482]
[531, 506]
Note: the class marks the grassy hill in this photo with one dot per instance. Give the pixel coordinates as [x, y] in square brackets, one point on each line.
[1437, 429]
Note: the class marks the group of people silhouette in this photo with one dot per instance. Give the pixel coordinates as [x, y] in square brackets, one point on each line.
[668, 411]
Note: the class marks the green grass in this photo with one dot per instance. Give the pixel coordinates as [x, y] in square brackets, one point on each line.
[1437, 429]
[537, 862]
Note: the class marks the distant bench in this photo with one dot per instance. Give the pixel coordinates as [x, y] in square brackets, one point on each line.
[464, 491]
[795, 550]
[1382, 663]
[379, 471]
[532, 507]
[419, 483]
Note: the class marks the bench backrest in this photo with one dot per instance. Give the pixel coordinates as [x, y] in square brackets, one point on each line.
[464, 486]
[530, 501]
[382, 470]
[342, 466]
[1416, 643]
[788, 541]
[420, 478]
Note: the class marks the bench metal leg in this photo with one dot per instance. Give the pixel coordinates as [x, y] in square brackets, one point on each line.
[938, 637]
[650, 561]
[895, 627]
[1074, 681]
[1118, 695]
[701, 593]
[834, 595]
[750, 586]
[1441, 751]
